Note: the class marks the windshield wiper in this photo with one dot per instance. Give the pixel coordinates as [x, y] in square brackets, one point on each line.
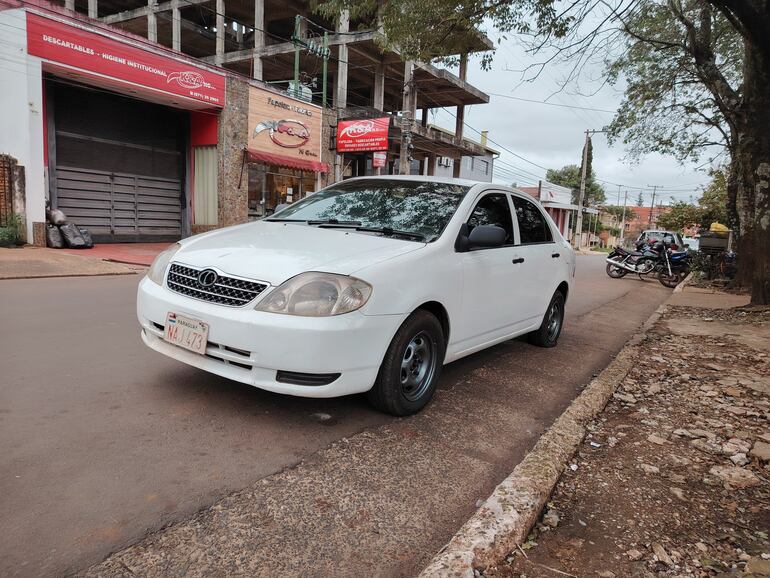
[334, 222]
[390, 232]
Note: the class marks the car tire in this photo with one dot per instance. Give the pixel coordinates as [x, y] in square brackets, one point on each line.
[411, 367]
[553, 321]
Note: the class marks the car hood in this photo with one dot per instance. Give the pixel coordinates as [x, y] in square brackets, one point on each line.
[275, 251]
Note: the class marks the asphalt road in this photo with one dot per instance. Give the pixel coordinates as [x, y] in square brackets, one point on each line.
[103, 441]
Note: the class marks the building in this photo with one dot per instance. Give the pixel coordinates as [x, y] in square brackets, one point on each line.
[473, 168]
[150, 121]
[643, 218]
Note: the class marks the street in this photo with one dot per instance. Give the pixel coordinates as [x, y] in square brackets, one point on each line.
[103, 441]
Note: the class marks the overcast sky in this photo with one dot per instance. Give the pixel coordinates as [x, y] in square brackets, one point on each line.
[553, 136]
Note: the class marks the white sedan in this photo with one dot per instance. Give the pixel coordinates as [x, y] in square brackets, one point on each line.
[369, 285]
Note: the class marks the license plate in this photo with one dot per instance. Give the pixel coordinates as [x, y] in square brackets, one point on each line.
[186, 332]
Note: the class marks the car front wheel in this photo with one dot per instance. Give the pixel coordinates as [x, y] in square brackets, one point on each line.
[412, 365]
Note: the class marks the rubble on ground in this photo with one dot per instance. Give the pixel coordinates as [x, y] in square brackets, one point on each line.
[673, 478]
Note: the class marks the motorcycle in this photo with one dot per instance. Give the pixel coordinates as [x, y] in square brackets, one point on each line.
[672, 267]
[621, 262]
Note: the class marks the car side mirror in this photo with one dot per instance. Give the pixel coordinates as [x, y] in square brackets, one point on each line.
[485, 237]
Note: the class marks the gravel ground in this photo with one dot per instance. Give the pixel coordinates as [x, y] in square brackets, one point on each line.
[673, 478]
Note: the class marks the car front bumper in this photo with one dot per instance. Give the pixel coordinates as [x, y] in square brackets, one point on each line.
[252, 346]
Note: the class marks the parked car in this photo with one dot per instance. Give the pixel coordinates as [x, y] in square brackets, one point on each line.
[691, 243]
[371, 284]
[670, 238]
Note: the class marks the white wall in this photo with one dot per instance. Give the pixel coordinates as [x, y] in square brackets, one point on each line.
[21, 110]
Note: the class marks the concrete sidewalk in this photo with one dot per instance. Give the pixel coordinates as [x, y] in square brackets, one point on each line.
[129, 253]
[30, 262]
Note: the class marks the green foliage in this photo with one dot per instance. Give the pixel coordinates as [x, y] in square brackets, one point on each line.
[681, 216]
[640, 200]
[713, 202]
[569, 176]
[667, 107]
[10, 236]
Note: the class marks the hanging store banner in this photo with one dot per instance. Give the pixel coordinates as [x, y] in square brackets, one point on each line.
[284, 128]
[364, 135]
[94, 53]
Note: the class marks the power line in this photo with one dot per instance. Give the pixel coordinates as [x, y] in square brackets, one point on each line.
[550, 103]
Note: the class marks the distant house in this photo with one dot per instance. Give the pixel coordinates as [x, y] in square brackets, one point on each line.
[557, 200]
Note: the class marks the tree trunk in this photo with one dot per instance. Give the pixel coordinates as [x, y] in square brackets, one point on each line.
[752, 164]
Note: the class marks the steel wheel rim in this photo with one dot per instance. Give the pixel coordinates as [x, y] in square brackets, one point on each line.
[418, 365]
[554, 321]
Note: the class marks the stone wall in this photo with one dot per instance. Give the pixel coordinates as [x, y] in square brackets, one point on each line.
[232, 180]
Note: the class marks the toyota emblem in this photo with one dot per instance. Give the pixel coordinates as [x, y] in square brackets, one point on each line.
[207, 277]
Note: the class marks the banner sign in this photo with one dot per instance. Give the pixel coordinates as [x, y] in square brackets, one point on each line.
[91, 52]
[363, 135]
[281, 125]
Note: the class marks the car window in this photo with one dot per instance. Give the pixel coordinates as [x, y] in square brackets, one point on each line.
[493, 209]
[533, 228]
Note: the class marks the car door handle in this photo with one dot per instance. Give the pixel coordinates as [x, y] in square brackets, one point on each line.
[555, 255]
[517, 261]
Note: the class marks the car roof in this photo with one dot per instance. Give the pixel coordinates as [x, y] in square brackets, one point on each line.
[420, 179]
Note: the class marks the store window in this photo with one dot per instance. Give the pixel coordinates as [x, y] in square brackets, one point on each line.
[270, 186]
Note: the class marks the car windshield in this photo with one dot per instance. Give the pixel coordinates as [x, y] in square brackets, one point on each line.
[417, 208]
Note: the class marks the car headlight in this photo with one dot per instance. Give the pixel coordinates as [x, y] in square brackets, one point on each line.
[317, 295]
[158, 268]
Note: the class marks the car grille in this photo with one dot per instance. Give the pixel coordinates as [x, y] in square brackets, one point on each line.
[225, 291]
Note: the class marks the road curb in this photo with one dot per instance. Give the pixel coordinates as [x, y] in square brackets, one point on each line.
[679, 288]
[504, 520]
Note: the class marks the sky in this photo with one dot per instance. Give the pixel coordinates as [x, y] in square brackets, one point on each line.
[553, 136]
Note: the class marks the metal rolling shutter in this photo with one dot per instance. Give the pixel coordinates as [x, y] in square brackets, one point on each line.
[118, 166]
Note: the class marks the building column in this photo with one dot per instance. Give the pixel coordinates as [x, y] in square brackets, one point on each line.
[379, 87]
[341, 94]
[407, 115]
[93, 9]
[259, 37]
[152, 21]
[219, 58]
[176, 26]
[460, 117]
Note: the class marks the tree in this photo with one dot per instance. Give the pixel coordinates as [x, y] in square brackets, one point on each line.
[619, 210]
[640, 200]
[713, 201]
[708, 60]
[569, 176]
[681, 216]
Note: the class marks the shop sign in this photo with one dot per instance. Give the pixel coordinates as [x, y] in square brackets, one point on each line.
[379, 159]
[283, 125]
[91, 52]
[363, 135]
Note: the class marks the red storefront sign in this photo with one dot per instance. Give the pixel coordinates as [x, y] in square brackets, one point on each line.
[92, 52]
[363, 135]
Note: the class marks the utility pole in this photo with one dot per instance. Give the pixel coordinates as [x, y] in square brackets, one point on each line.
[583, 177]
[652, 205]
[623, 219]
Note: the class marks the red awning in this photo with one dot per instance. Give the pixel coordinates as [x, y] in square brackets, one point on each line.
[282, 161]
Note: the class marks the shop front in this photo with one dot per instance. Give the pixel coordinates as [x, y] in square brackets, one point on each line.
[122, 122]
[363, 144]
[283, 153]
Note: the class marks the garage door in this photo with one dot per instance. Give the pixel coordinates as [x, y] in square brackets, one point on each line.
[120, 207]
[118, 165]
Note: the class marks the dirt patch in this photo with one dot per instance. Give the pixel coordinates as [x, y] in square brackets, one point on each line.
[673, 477]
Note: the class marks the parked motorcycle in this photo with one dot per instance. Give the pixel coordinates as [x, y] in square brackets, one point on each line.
[672, 267]
[621, 262]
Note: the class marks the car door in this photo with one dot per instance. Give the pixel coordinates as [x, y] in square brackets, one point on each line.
[488, 274]
[542, 260]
